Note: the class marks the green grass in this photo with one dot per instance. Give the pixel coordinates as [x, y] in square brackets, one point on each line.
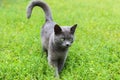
[95, 54]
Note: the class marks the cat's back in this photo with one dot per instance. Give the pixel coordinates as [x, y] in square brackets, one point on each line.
[47, 29]
[46, 32]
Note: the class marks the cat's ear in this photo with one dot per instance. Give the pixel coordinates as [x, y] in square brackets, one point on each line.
[57, 29]
[73, 28]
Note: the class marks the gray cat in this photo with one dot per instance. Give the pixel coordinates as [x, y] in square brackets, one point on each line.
[55, 39]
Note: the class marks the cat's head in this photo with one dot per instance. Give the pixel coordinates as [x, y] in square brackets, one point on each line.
[64, 36]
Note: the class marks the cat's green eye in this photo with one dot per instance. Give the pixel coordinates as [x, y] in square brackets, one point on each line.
[71, 39]
[62, 39]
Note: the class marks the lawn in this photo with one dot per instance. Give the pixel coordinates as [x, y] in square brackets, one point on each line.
[95, 54]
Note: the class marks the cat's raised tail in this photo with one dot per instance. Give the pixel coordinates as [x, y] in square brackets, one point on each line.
[41, 4]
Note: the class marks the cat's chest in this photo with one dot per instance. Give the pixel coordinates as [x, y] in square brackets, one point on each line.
[60, 54]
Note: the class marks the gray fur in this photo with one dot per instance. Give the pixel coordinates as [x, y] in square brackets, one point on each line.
[55, 39]
[41, 4]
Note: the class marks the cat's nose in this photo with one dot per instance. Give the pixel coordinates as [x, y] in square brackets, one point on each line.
[67, 44]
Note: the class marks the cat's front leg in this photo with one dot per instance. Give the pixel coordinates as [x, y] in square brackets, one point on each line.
[56, 71]
[61, 63]
[54, 64]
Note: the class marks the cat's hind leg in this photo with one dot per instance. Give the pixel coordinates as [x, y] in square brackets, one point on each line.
[45, 50]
